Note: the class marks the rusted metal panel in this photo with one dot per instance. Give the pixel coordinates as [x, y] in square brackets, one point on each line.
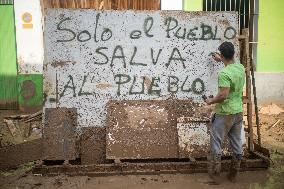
[141, 130]
[193, 139]
[92, 57]
[12, 156]
[59, 138]
[93, 145]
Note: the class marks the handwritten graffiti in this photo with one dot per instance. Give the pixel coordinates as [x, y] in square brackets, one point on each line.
[172, 29]
[207, 32]
[93, 57]
[118, 56]
[84, 35]
[174, 85]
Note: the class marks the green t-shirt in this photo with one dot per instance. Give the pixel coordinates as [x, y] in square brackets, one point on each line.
[232, 76]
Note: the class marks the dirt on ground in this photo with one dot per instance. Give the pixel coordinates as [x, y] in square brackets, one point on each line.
[272, 135]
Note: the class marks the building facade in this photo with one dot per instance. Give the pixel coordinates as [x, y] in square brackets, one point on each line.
[22, 54]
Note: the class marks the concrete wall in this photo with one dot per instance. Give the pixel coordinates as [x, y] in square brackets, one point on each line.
[29, 36]
[270, 57]
[83, 71]
[270, 87]
[29, 39]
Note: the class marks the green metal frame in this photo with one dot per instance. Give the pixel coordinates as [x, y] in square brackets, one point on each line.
[8, 71]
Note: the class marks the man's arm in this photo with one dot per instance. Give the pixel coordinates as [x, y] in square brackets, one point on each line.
[220, 97]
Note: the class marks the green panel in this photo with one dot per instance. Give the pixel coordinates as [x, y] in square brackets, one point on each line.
[8, 66]
[192, 5]
[270, 56]
[30, 91]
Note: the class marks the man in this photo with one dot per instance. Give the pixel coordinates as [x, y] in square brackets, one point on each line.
[228, 116]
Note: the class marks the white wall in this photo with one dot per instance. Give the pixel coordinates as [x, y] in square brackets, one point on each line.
[29, 40]
[171, 4]
[80, 69]
[269, 87]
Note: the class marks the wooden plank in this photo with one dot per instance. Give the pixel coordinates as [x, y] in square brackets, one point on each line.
[105, 4]
[248, 88]
[127, 168]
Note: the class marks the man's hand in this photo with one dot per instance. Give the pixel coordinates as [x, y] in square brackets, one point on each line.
[220, 97]
[217, 57]
[208, 101]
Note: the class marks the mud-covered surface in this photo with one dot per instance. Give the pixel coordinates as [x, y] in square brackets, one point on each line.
[193, 121]
[148, 129]
[20, 141]
[141, 130]
[59, 137]
[193, 139]
[93, 146]
[15, 155]
[272, 138]
[163, 181]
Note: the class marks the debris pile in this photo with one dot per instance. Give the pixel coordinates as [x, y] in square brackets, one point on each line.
[272, 123]
[20, 128]
[271, 109]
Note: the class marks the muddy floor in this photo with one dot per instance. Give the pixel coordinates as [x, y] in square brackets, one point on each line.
[272, 129]
[198, 181]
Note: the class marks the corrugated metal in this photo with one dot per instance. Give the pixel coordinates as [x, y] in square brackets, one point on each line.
[104, 4]
[8, 67]
[6, 2]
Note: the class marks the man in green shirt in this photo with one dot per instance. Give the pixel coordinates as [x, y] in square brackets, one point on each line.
[228, 116]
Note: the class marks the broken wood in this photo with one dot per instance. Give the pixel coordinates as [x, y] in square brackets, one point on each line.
[266, 159]
[241, 37]
[276, 123]
[11, 126]
[16, 116]
[33, 117]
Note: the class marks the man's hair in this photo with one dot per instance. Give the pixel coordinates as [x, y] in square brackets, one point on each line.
[227, 50]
